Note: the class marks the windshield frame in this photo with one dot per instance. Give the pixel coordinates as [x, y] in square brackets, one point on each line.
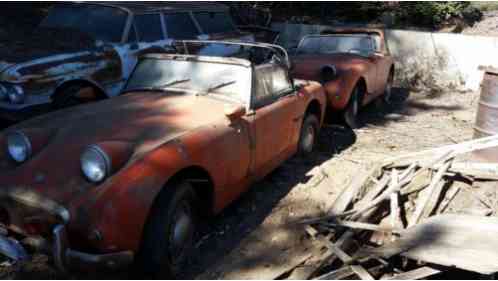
[125, 28]
[301, 42]
[245, 98]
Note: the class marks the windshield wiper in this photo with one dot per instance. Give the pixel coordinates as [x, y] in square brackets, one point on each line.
[174, 82]
[160, 87]
[220, 85]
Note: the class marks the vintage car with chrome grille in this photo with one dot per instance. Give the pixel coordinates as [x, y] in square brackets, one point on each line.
[354, 65]
[86, 51]
[126, 180]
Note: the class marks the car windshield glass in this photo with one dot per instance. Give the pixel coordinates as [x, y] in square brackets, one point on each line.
[101, 22]
[359, 44]
[197, 77]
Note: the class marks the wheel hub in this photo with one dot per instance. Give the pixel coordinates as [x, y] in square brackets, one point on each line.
[181, 232]
[309, 139]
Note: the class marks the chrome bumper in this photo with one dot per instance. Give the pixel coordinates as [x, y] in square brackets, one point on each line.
[65, 258]
[57, 245]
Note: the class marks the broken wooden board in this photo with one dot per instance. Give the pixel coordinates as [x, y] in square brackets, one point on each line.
[462, 241]
[416, 274]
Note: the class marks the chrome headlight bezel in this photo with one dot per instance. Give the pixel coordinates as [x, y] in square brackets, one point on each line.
[18, 138]
[16, 94]
[95, 164]
[4, 93]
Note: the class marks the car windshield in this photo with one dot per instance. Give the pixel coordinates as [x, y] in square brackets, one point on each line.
[329, 44]
[196, 77]
[101, 22]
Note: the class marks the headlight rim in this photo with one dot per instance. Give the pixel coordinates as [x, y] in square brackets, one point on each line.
[4, 93]
[105, 156]
[27, 142]
[15, 90]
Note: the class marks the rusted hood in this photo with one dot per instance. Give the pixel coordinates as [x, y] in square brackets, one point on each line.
[42, 42]
[135, 117]
[142, 121]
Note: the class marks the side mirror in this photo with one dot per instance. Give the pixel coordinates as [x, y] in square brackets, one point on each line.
[235, 112]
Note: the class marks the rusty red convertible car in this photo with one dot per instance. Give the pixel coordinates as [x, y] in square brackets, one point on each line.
[126, 180]
[354, 65]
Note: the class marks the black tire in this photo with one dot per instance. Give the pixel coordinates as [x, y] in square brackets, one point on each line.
[387, 95]
[308, 135]
[353, 108]
[159, 257]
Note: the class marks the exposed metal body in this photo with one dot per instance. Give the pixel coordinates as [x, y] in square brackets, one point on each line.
[487, 114]
[44, 67]
[152, 138]
[351, 68]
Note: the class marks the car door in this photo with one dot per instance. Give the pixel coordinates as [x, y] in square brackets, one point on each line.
[272, 119]
[382, 63]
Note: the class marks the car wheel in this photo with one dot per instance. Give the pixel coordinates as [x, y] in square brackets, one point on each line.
[169, 234]
[352, 110]
[386, 97]
[308, 135]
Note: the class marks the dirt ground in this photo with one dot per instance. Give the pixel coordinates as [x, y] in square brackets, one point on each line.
[258, 236]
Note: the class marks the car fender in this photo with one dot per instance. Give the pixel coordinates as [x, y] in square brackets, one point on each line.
[42, 76]
[339, 90]
[121, 208]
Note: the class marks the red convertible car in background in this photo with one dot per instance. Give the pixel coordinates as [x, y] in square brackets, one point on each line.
[354, 65]
[106, 184]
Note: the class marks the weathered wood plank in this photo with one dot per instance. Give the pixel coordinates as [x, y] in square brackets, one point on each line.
[364, 226]
[349, 192]
[362, 272]
[447, 199]
[462, 241]
[416, 274]
[433, 188]
[458, 149]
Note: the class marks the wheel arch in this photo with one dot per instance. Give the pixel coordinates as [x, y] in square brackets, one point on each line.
[362, 84]
[314, 107]
[99, 91]
[201, 181]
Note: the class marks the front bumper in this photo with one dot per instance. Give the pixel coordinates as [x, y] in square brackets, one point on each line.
[15, 245]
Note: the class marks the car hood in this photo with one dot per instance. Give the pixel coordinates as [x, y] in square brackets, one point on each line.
[142, 121]
[139, 118]
[40, 43]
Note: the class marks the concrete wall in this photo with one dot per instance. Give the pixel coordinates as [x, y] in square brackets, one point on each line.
[424, 59]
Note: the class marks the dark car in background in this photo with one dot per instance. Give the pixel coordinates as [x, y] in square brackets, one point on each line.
[84, 52]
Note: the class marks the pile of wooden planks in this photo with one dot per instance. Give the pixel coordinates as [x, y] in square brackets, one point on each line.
[401, 220]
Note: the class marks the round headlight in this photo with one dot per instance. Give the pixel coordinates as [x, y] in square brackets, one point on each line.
[18, 146]
[16, 95]
[95, 163]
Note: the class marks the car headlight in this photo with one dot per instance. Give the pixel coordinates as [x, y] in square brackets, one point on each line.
[16, 94]
[18, 146]
[95, 163]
